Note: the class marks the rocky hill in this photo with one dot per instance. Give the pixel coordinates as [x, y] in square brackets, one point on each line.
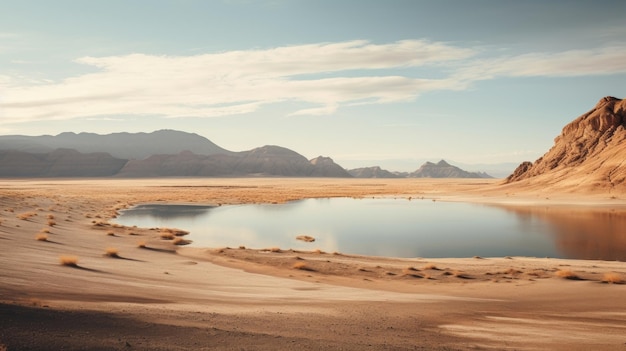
[442, 169]
[374, 172]
[119, 145]
[262, 161]
[590, 153]
[58, 163]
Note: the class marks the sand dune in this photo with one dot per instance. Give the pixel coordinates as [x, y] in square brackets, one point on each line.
[158, 296]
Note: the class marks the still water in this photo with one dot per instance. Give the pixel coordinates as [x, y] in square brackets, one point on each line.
[399, 228]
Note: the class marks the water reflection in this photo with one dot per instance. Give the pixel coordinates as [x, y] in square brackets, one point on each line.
[400, 228]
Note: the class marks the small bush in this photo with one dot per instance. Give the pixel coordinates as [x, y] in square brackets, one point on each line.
[110, 234]
[50, 216]
[431, 266]
[302, 266]
[566, 274]
[275, 249]
[612, 278]
[51, 223]
[112, 252]
[68, 260]
[167, 236]
[26, 215]
[141, 244]
[41, 237]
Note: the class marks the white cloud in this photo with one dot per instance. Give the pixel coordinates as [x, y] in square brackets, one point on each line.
[572, 63]
[324, 77]
[233, 82]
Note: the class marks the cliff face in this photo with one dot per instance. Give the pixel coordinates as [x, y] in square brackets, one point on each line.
[589, 152]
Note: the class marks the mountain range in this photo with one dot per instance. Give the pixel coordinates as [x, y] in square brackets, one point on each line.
[168, 153]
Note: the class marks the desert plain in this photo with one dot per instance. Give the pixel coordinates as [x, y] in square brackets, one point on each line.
[72, 279]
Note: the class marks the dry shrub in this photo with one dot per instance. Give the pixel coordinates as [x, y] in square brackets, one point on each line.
[112, 252]
[305, 238]
[141, 244]
[50, 216]
[41, 237]
[302, 266]
[318, 251]
[274, 249]
[51, 223]
[174, 231]
[26, 215]
[431, 266]
[612, 278]
[566, 274]
[181, 241]
[512, 271]
[241, 247]
[110, 234]
[167, 236]
[410, 269]
[69, 260]
[45, 230]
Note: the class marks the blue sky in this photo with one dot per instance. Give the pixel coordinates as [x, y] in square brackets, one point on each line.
[388, 83]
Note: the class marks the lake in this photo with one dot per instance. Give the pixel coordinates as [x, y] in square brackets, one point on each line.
[396, 228]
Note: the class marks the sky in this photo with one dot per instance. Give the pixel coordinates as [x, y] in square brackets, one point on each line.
[389, 83]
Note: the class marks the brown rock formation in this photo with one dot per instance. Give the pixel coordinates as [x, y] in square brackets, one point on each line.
[589, 154]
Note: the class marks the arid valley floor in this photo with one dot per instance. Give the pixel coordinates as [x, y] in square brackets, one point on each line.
[124, 288]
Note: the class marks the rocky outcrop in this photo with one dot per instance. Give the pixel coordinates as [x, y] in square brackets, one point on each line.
[442, 169]
[373, 172]
[263, 161]
[589, 152]
[326, 167]
[58, 163]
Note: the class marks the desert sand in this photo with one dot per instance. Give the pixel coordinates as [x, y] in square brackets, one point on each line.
[124, 288]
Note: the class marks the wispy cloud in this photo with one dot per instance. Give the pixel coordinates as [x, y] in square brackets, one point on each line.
[234, 82]
[323, 76]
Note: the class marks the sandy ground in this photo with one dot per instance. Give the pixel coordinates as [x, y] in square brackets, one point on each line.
[148, 294]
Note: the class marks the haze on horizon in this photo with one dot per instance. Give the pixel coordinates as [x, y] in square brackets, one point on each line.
[364, 82]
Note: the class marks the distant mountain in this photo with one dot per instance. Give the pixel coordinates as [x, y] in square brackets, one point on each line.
[590, 153]
[442, 169]
[373, 172]
[263, 161]
[119, 145]
[58, 163]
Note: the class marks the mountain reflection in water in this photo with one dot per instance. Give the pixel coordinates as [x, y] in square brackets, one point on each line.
[400, 228]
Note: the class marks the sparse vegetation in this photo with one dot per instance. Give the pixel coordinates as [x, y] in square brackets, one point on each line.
[174, 231]
[51, 222]
[181, 241]
[142, 244]
[302, 266]
[167, 236]
[613, 278]
[110, 234]
[431, 266]
[112, 252]
[26, 215]
[69, 260]
[566, 274]
[41, 237]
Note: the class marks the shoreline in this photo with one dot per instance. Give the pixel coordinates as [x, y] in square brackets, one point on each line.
[252, 299]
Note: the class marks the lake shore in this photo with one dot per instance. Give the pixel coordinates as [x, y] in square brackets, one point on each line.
[131, 289]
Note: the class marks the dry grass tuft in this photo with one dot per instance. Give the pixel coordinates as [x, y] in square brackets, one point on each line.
[26, 215]
[69, 261]
[613, 278]
[141, 244]
[181, 241]
[241, 247]
[41, 237]
[167, 236]
[50, 216]
[112, 252]
[52, 223]
[45, 230]
[431, 266]
[318, 251]
[567, 274]
[302, 266]
[110, 234]
[174, 231]
[275, 249]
